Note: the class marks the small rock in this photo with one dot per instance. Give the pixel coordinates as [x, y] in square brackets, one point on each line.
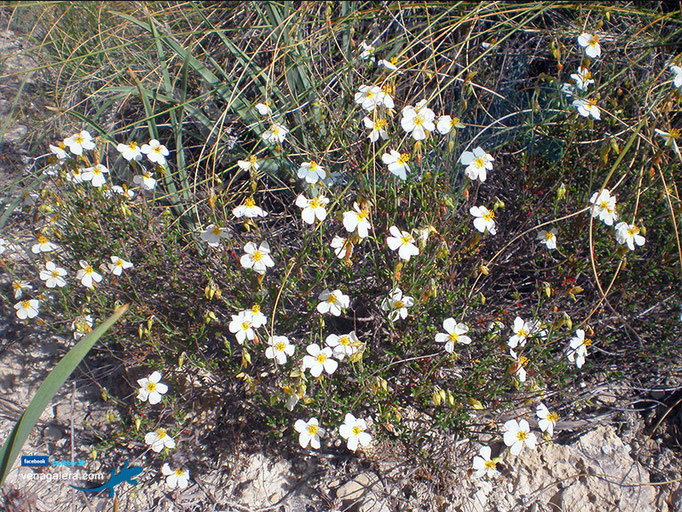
[53, 433]
[363, 494]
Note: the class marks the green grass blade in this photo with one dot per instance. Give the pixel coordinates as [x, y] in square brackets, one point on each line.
[17, 437]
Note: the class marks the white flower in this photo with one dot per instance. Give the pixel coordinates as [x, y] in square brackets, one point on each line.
[53, 275]
[522, 331]
[378, 128]
[604, 207]
[19, 287]
[484, 219]
[43, 245]
[3, 245]
[242, 326]
[367, 51]
[342, 247]
[151, 388]
[279, 349]
[517, 434]
[389, 65]
[568, 89]
[292, 397]
[368, 96]
[75, 176]
[312, 208]
[547, 420]
[155, 151]
[145, 180]
[78, 142]
[343, 346]
[677, 75]
[59, 151]
[403, 242]
[249, 210]
[159, 439]
[257, 258]
[213, 234]
[477, 164]
[418, 120]
[118, 265]
[95, 175]
[670, 138]
[357, 218]
[385, 100]
[353, 431]
[275, 134]
[124, 191]
[548, 238]
[577, 348]
[264, 109]
[311, 172]
[130, 151]
[628, 234]
[81, 326]
[484, 465]
[175, 477]
[319, 359]
[397, 163]
[587, 108]
[445, 124]
[591, 45]
[332, 302]
[258, 319]
[454, 334]
[583, 78]
[397, 304]
[250, 165]
[309, 433]
[27, 309]
[87, 275]
[519, 366]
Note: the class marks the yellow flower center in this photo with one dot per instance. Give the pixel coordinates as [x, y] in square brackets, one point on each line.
[404, 158]
[179, 472]
[147, 175]
[388, 89]
[252, 159]
[42, 239]
[321, 357]
[399, 304]
[119, 262]
[157, 149]
[217, 231]
[287, 390]
[344, 340]
[632, 231]
[489, 216]
[406, 239]
[132, 146]
[25, 304]
[257, 256]
[674, 133]
[418, 121]
[549, 235]
[313, 165]
[479, 162]
[246, 326]
[594, 41]
[521, 436]
[313, 429]
[89, 270]
[522, 333]
[490, 464]
[454, 121]
[332, 299]
[394, 60]
[97, 170]
[314, 203]
[250, 202]
[61, 145]
[369, 93]
[453, 337]
[587, 342]
[16, 285]
[54, 274]
[523, 361]
[79, 139]
[380, 124]
[591, 103]
[275, 130]
[280, 346]
[363, 214]
[553, 417]
[357, 431]
[161, 433]
[255, 309]
[151, 386]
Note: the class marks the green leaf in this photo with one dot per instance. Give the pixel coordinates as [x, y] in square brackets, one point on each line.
[17, 437]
